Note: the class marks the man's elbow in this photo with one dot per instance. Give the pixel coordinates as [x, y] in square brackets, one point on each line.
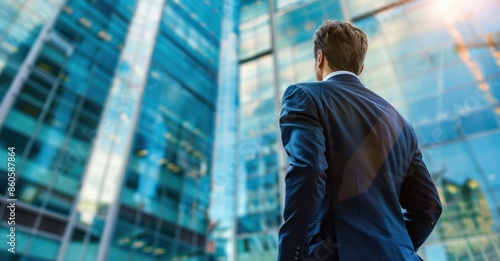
[437, 210]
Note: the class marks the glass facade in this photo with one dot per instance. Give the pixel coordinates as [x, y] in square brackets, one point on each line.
[258, 205]
[110, 106]
[437, 62]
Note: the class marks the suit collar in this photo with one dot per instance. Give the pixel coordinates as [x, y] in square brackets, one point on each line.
[335, 73]
[344, 77]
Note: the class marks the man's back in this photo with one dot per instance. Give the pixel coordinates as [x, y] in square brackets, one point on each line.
[355, 165]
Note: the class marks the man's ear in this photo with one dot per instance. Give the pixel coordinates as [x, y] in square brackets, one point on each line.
[320, 59]
[361, 69]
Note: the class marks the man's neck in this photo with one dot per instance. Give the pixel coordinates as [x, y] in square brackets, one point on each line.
[326, 73]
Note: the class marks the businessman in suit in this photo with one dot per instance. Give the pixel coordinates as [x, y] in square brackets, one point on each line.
[357, 188]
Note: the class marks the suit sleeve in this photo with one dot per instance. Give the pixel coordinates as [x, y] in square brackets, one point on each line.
[420, 199]
[304, 142]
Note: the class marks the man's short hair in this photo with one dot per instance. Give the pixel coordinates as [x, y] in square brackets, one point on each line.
[343, 45]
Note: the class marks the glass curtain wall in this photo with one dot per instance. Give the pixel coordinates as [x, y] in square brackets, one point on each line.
[113, 125]
[258, 208]
[163, 205]
[52, 120]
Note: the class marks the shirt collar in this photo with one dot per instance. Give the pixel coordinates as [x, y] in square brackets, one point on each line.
[337, 73]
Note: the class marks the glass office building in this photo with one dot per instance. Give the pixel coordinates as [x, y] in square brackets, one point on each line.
[437, 62]
[110, 106]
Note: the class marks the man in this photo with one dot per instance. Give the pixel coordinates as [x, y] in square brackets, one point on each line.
[357, 188]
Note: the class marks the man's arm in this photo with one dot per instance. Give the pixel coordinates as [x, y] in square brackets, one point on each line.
[420, 198]
[304, 141]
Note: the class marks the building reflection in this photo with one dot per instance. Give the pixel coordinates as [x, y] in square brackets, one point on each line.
[466, 227]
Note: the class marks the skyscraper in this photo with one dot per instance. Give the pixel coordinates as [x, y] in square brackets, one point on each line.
[110, 106]
[437, 62]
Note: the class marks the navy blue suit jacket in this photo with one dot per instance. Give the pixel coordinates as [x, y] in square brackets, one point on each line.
[357, 188]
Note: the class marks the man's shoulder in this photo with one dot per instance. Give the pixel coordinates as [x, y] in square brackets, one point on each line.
[312, 85]
[308, 87]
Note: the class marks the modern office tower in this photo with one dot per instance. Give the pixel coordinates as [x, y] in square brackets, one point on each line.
[110, 106]
[437, 62]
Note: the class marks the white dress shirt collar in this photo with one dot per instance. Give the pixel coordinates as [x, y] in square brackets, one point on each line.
[337, 73]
